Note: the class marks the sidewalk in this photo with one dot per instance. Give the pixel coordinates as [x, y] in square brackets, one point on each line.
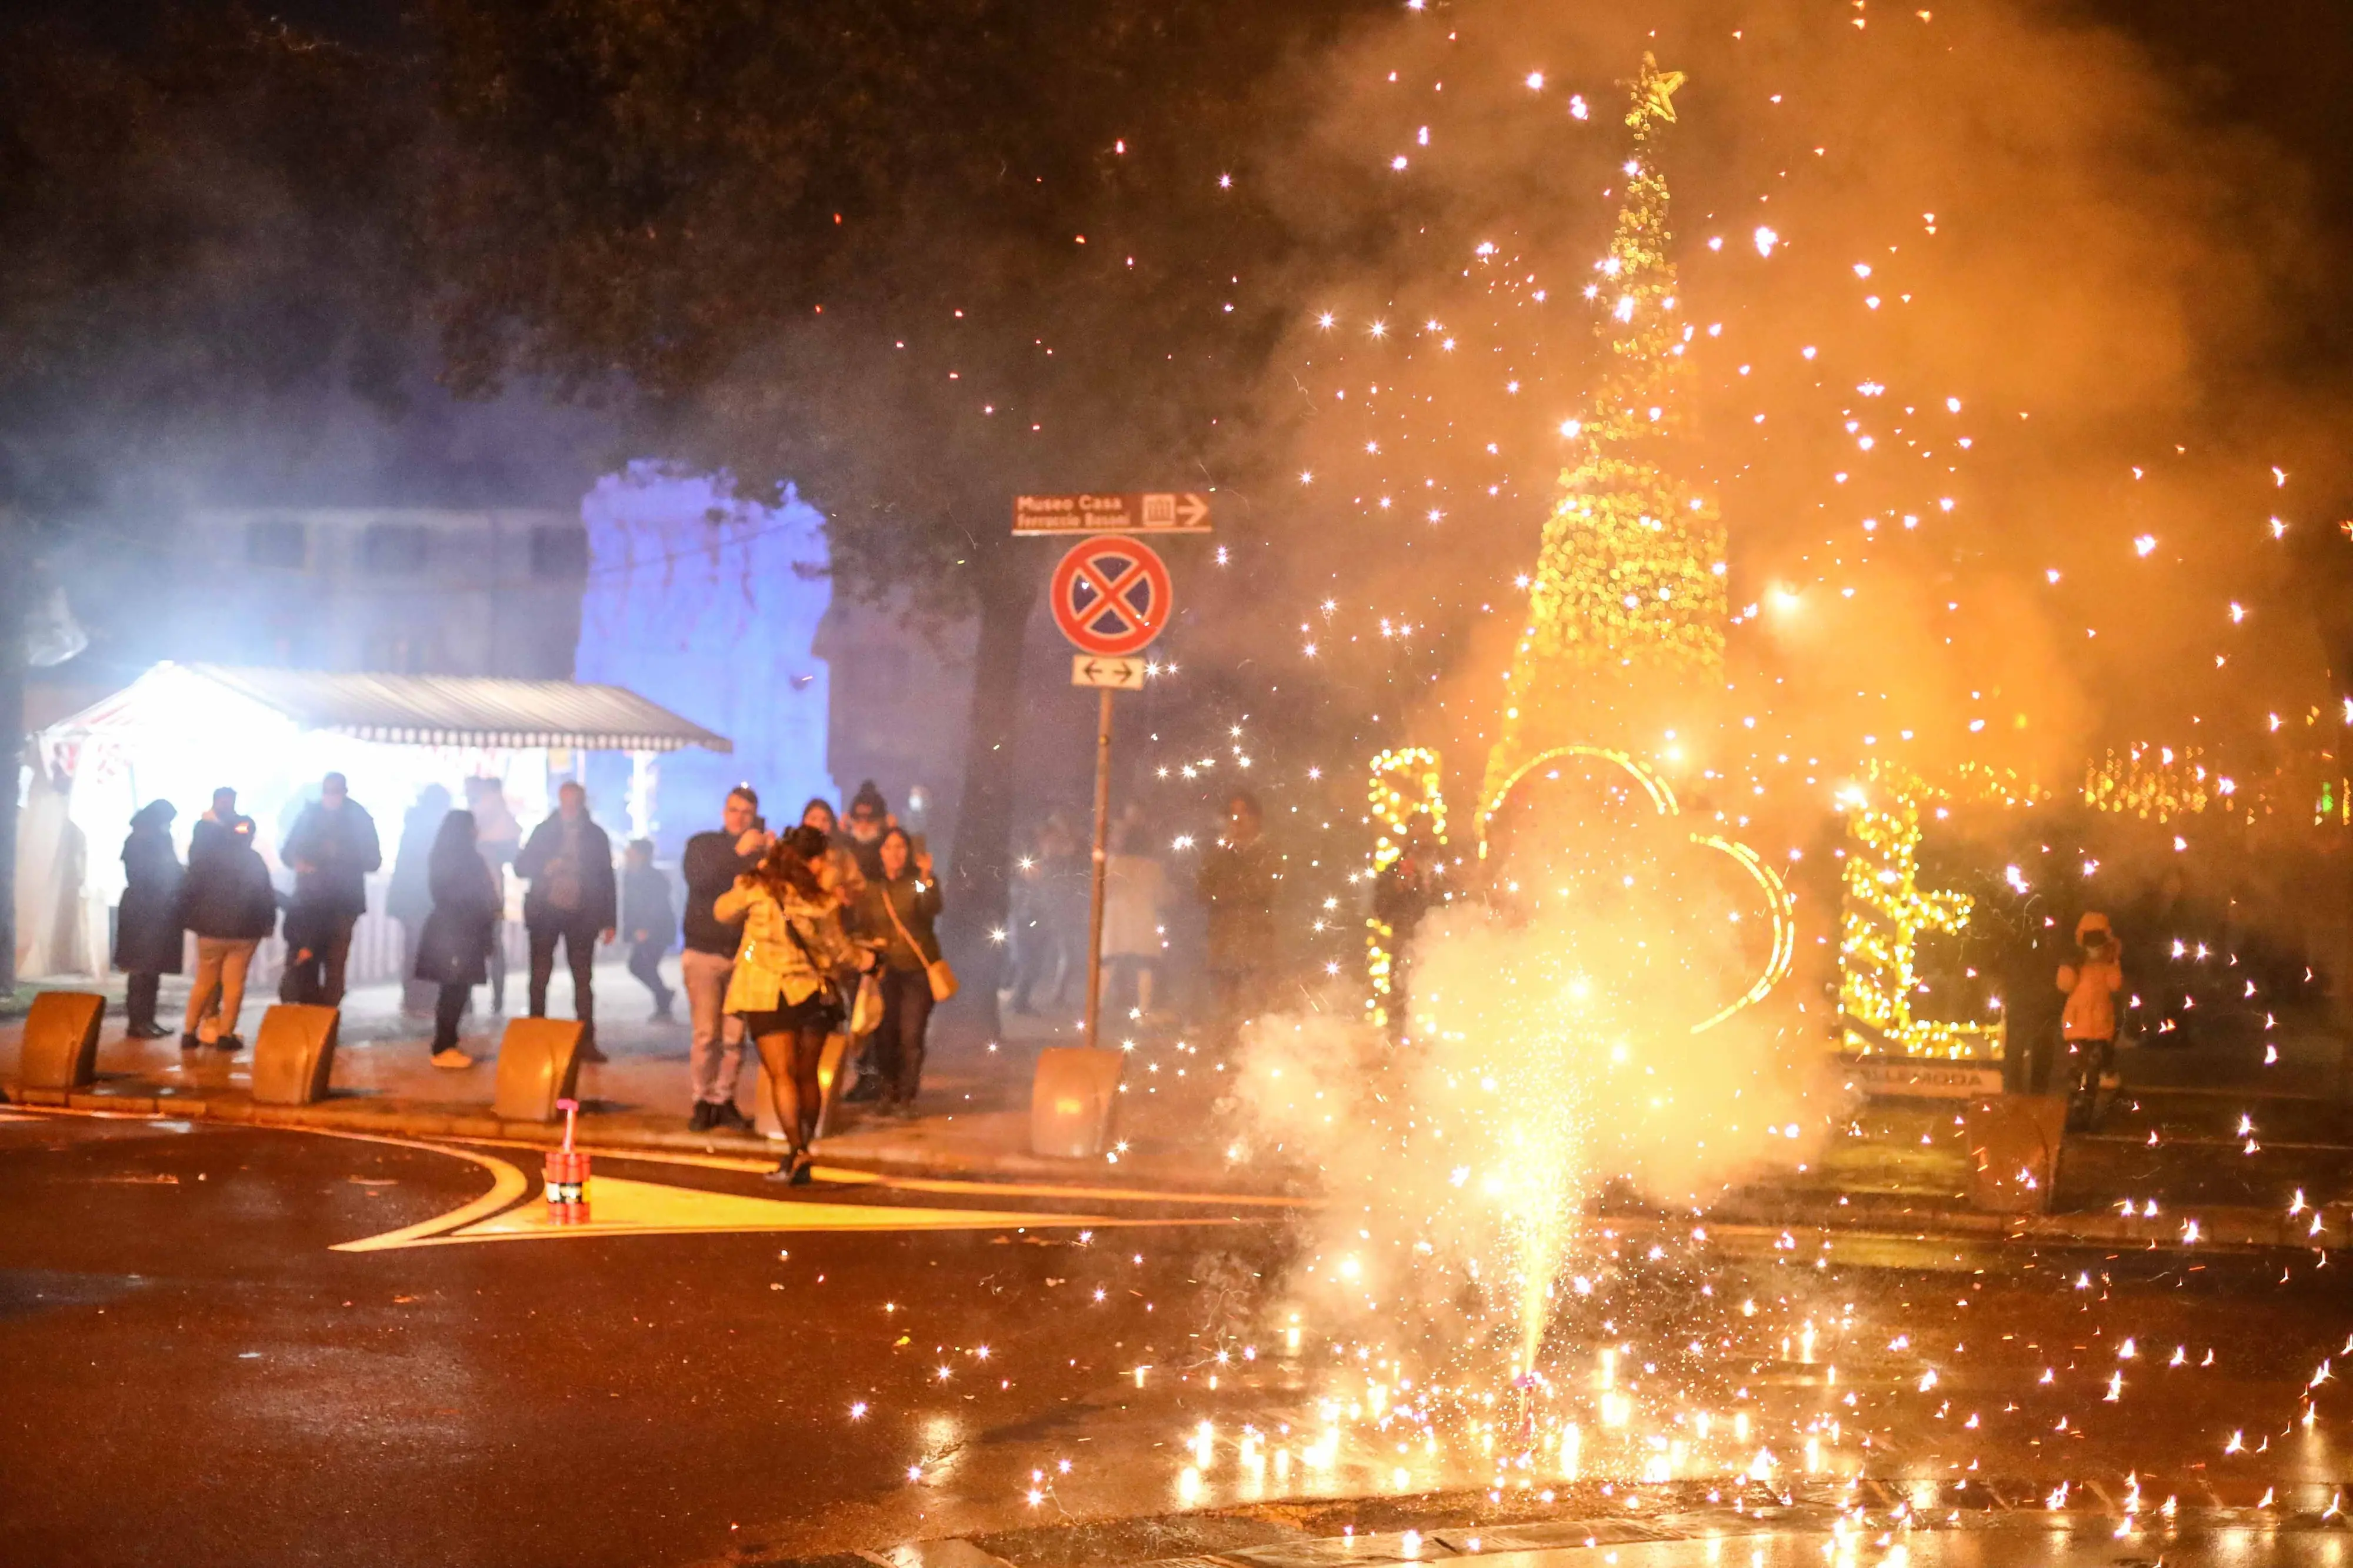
[1900, 1168]
[975, 1105]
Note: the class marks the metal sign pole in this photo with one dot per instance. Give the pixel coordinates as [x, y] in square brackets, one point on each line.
[1095, 895]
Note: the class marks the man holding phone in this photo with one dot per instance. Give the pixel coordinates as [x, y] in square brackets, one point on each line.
[712, 863]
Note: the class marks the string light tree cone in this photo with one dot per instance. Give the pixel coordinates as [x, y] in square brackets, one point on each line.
[1627, 607]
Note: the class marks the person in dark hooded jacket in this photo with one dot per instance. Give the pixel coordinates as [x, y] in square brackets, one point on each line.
[228, 900]
[454, 952]
[148, 938]
[334, 850]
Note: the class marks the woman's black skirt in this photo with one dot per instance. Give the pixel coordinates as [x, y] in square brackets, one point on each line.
[818, 1011]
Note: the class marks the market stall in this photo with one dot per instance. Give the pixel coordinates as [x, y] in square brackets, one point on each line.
[179, 731]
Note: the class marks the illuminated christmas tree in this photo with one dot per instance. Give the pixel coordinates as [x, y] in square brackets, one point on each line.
[1629, 591]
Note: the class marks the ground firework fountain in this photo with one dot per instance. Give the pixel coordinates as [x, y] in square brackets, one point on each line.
[1580, 1017]
[1627, 606]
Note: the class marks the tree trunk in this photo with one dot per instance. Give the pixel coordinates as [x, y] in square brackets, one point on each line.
[15, 598]
[980, 881]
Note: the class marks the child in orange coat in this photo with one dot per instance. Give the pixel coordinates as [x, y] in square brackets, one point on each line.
[2088, 1024]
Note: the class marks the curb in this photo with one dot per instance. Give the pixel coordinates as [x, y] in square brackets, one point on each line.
[2316, 1229]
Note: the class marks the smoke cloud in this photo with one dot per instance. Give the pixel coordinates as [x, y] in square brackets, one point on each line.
[1986, 388]
[1989, 305]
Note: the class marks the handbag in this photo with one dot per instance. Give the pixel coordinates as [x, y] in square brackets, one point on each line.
[943, 979]
[866, 1013]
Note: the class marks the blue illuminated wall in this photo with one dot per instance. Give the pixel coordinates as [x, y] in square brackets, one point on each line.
[705, 603]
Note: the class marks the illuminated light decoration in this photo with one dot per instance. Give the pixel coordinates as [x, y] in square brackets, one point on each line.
[1395, 808]
[1882, 915]
[1403, 783]
[1661, 794]
[1783, 905]
[1780, 904]
[2152, 782]
[1630, 573]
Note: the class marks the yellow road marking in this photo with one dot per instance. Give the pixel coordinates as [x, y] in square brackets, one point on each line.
[624, 1207]
[657, 1208]
[843, 1176]
[1052, 1190]
[507, 1184]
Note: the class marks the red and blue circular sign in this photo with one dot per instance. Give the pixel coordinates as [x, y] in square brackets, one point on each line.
[1111, 596]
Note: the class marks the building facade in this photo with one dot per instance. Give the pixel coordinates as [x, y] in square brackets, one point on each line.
[385, 590]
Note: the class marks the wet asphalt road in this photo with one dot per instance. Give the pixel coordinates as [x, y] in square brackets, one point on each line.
[203, 1380]
[193, 1376]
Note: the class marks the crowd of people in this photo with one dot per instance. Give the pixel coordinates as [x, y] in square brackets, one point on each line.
[826, 932]
[827, 928]
[223, 896]
[1237, 886]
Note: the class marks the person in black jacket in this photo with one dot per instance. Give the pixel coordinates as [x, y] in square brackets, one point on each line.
[227, 902]
[147, 931]
[712, 863]
[407, 899]
[572, 900]
[1239, 879]
[334, 850]
[454, 951]
[646, 916]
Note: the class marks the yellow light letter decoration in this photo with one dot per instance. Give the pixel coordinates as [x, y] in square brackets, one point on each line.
[1881, 914]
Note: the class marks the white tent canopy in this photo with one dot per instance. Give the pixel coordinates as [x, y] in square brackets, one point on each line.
[179, 731]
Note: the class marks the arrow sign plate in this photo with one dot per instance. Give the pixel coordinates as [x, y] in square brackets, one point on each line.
[1131, 511]
[1119, 674]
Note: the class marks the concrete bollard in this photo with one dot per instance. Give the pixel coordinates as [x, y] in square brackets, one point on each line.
[294, 1053]
[2014, 1151]
[61, 1040]
[1072, 1102]
[539, 1064]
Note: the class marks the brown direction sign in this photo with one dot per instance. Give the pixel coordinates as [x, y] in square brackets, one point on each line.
[1131, 511]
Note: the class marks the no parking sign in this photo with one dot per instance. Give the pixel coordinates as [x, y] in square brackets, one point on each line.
[1111, 596]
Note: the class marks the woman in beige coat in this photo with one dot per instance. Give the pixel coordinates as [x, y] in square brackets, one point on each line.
[785, 985]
